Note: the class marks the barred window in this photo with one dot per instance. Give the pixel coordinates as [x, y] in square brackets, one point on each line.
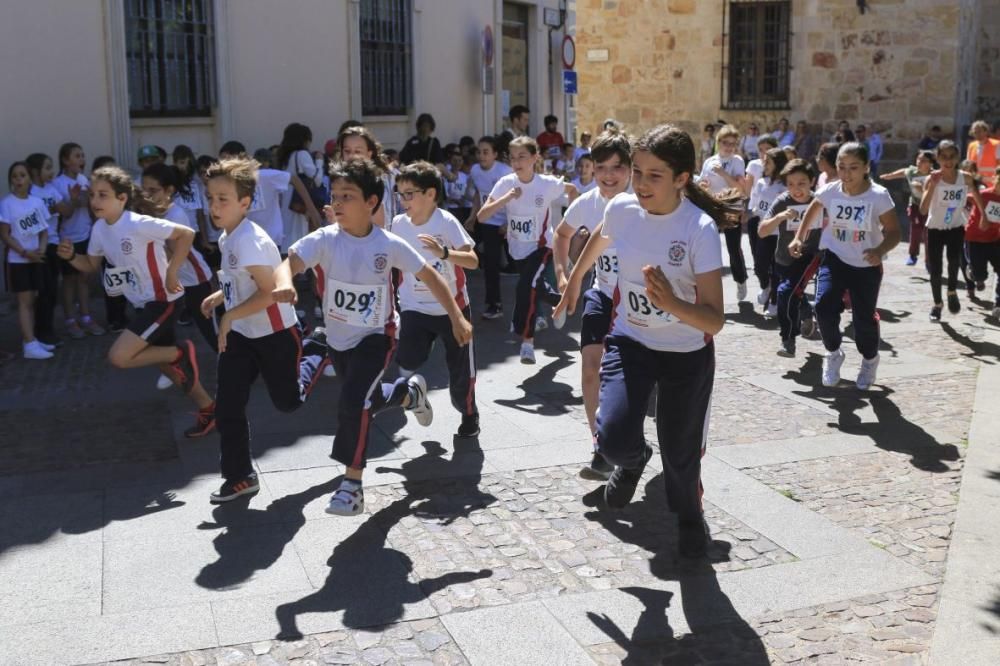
[755, 54]
[170, 55]
[386, 48]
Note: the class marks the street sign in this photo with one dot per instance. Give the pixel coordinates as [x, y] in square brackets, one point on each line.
[568, 52]
[552, 17]
[488, 46]
[569, 82]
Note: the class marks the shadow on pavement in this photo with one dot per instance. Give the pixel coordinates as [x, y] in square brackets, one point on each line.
[985, 352]
[750, 316]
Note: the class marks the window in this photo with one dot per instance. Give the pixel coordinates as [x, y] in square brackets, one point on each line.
[386, 71]
[170, 55]
[755, 66]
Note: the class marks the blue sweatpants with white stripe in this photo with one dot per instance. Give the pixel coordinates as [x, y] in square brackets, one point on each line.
[683, 381]
[532, 285]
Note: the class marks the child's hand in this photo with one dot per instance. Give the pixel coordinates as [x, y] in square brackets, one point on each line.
[462, 330]
[65, 249]
[514, 193]
[282, 294]
[210, 303]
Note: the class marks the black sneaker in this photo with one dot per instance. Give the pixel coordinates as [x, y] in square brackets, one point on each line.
[470, 426]
[230, 491]
[954, 306]
[936, 313]
[599, 469]
[971, 291]
[186, 366]
[787, 348]
[692, 538]
[314, 344]
[494, 311]
[621, 485]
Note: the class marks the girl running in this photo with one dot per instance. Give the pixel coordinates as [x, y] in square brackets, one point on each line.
[134, 245]
[916, 177]
[765, 191]
[862, 229]
[723, 171]
[668, 305]
[826, 162]
[43, 172]
[982, 235]
[24, 230]
[357, 142]
[527, 198]
[943, 203]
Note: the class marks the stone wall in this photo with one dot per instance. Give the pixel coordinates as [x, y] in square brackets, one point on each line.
[988, 63]
[885, 68]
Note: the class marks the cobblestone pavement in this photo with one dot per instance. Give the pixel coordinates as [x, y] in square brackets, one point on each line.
[476, 532]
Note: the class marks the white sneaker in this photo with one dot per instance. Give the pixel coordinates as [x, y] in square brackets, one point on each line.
[866, 376]
[559, 319]
[831, 367]
[35, 351]
[772, 310]
[329, 370]
[741, 291]
[46, 346]
[527, 353]
[164, 382]
[763, 295]
[541, 323]
[419, 405]
[347, 500]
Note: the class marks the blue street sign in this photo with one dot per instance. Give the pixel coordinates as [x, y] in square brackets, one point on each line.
[569, 82]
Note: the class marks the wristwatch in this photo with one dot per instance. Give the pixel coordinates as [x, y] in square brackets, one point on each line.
[446, 253]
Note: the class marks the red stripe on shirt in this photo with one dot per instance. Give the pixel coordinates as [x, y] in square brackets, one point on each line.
[274, 316]
[159, 290]
[320, 281]
[545, 225]
[199, 273]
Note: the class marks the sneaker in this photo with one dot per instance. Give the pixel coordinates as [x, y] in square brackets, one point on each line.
[230, 491]
[621, 485]
[763, 296]
[541, 323]
[936, 313]
[204, 423]
[692, 538]
[527, 353]
[44, 345]
[866, 375]
[186, 366]
[36, 352]
[91, 327]
[164, 382]
[347, 500]
[911, 261]
[831, 367]
[419, 405]
[787, 348]
[73, 330]
[329, 370]
[980, 285]
[315, 349]
[807, 327]
[470, 425]
[772, 310]
[559, 320]
[954, 306]
[599, 469]
[494, 311]
[741, 291]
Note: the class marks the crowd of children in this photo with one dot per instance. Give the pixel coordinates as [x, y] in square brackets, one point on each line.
[240, 246]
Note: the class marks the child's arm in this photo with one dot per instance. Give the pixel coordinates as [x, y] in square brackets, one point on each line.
[812, 214]
[770, 224]
[891, 235]
[462, 256]
[894, 175]
[925, 201]
[460, 326]
[493, 206]
[564, 233]
[180, 244]
[977, 198]
[85, 263]
[284, 290]
[7, 236]
[596, 244]
[263, 276]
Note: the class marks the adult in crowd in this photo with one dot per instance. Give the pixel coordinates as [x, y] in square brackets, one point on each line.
[806, 143]
[931, 139]
[519, 117]
[424, 145]
[783, 133]
[874, 143]
[984, 151]
[748, 145]
[550, 142]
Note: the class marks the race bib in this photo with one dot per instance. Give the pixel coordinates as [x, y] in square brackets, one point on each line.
[850, 216]
[445, 270]
[800, 214]
[951, 199]
[993, 212]
[29, 226]
[361, 305]
[230, 290]
[118, 281]
[607, 268]
[639, 309]
[762, 208]
[523, 228]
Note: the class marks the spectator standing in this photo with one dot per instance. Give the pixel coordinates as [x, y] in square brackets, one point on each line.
[984, 151]
[583, 148]
[805, 143]
[931, 139]
[783, 133]
[423, 145]
[874, 143]
[550, 142]
[748, 145]
[707, 143]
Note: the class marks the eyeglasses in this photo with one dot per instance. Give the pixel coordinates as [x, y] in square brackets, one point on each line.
[408, 196]
[730, 143]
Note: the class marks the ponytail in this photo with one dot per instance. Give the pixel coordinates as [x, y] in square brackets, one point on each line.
[725, 208]
[122, 183]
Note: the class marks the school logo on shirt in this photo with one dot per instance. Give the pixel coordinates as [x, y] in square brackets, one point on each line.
[232, 260]
[381, 261]
[126, 246]
[539, 201]
[676, 253]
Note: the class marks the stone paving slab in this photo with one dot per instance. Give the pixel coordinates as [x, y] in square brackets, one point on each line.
[775, 452]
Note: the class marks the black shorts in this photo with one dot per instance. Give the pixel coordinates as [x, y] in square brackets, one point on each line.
[155, 322]
[598, 311]
[80, 247]
[25, 277]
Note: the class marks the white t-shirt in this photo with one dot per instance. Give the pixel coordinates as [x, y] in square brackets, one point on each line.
[485, 181]
[413, 294]
[249, 245]
[134, 246]
[754, 171]
[684, 244]
[354, 277]
[587, 211]
[456, 193]
[763, 195]
[948, 205]
[390, 206]
[50, 197]
[265, 208]
[195, 270]
[853, 221]
[27, 218]
[296, 224]
[77, 227]
[213, 231]
[192, 202]
[580, 152]
[733, 165]
[583, 189]
[528, 223]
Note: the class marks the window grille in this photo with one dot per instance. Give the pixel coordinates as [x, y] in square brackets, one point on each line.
[755, 46]
[170, 56]
[386, 63]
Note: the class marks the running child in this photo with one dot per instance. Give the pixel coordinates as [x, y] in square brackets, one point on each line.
[257, 336]
[765, 191]
[24, 230]
[445, 245]
[862, 229]
[265, 208]
[353, 260]
[982, 236]
[527, 197]
[485, 175]
[722, 171]
[584, 181]
[134, 245]
[915, 175]
[612, 153]
[42, 171]
[357, 142]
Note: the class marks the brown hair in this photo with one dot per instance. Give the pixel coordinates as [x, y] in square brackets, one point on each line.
[798, 165]
[240, 171]
[525, 142]
[374, 147]
[610, 143]
[424, 175]
[122, 183]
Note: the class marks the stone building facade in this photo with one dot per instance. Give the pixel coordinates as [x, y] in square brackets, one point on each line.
[900, 66]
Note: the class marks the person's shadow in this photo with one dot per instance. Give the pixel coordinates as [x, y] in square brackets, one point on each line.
[708, 612]
[982, 351]
[370, 581]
